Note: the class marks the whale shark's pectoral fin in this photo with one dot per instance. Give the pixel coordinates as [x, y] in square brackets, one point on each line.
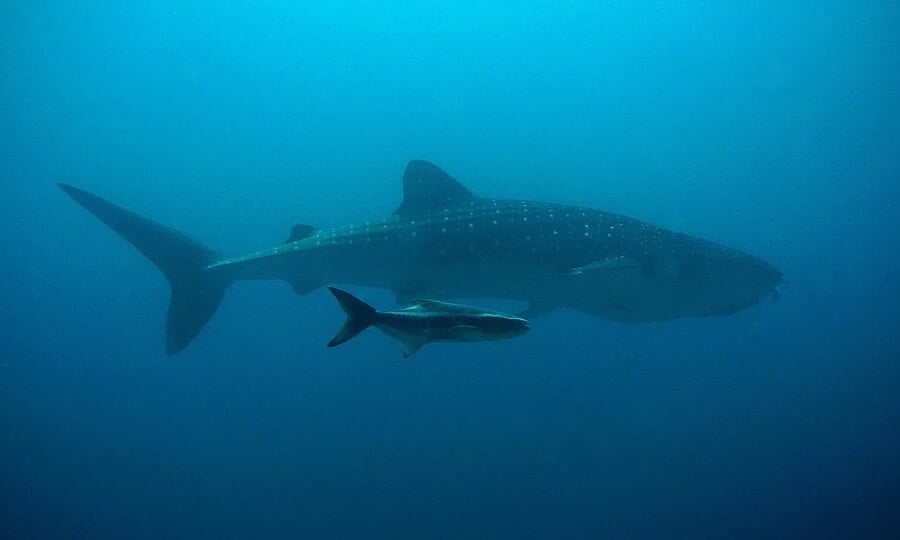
[303, 286]
[299, 232]
[608, 264]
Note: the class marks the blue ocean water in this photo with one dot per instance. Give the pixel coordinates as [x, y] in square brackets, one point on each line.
[770, 128]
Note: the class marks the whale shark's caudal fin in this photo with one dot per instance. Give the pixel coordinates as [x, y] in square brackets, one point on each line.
[196, 292]
[360, 316]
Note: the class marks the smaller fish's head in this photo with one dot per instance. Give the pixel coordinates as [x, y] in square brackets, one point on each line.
[492, 326]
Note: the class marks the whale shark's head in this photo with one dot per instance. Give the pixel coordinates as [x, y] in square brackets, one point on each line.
[709, 281]
[722, 283]
[736, 282]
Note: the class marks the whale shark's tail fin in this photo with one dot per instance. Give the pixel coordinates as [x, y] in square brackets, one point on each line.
[360, 316]
[196, 292]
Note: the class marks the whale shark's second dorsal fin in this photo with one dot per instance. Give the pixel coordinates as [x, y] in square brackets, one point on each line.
[426, 189]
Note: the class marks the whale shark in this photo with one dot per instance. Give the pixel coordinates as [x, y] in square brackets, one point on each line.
[445, 241]
[425, 321]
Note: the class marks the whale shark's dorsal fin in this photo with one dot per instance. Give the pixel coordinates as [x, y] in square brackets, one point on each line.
[426, 189]
[299, 232]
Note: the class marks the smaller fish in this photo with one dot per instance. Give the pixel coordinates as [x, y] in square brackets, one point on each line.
[425, 321]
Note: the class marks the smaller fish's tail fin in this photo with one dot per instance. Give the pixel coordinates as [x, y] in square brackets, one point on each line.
[196, 292]
[360, 316]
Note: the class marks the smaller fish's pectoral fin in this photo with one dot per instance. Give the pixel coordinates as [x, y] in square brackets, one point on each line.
[468, 332]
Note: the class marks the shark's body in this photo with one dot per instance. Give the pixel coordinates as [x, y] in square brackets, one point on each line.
[446, 242]
[426, 321]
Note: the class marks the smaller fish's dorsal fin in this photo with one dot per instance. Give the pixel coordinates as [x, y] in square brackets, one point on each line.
[418, 304]
[426, 189]
[300, 231]
[433, 306]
